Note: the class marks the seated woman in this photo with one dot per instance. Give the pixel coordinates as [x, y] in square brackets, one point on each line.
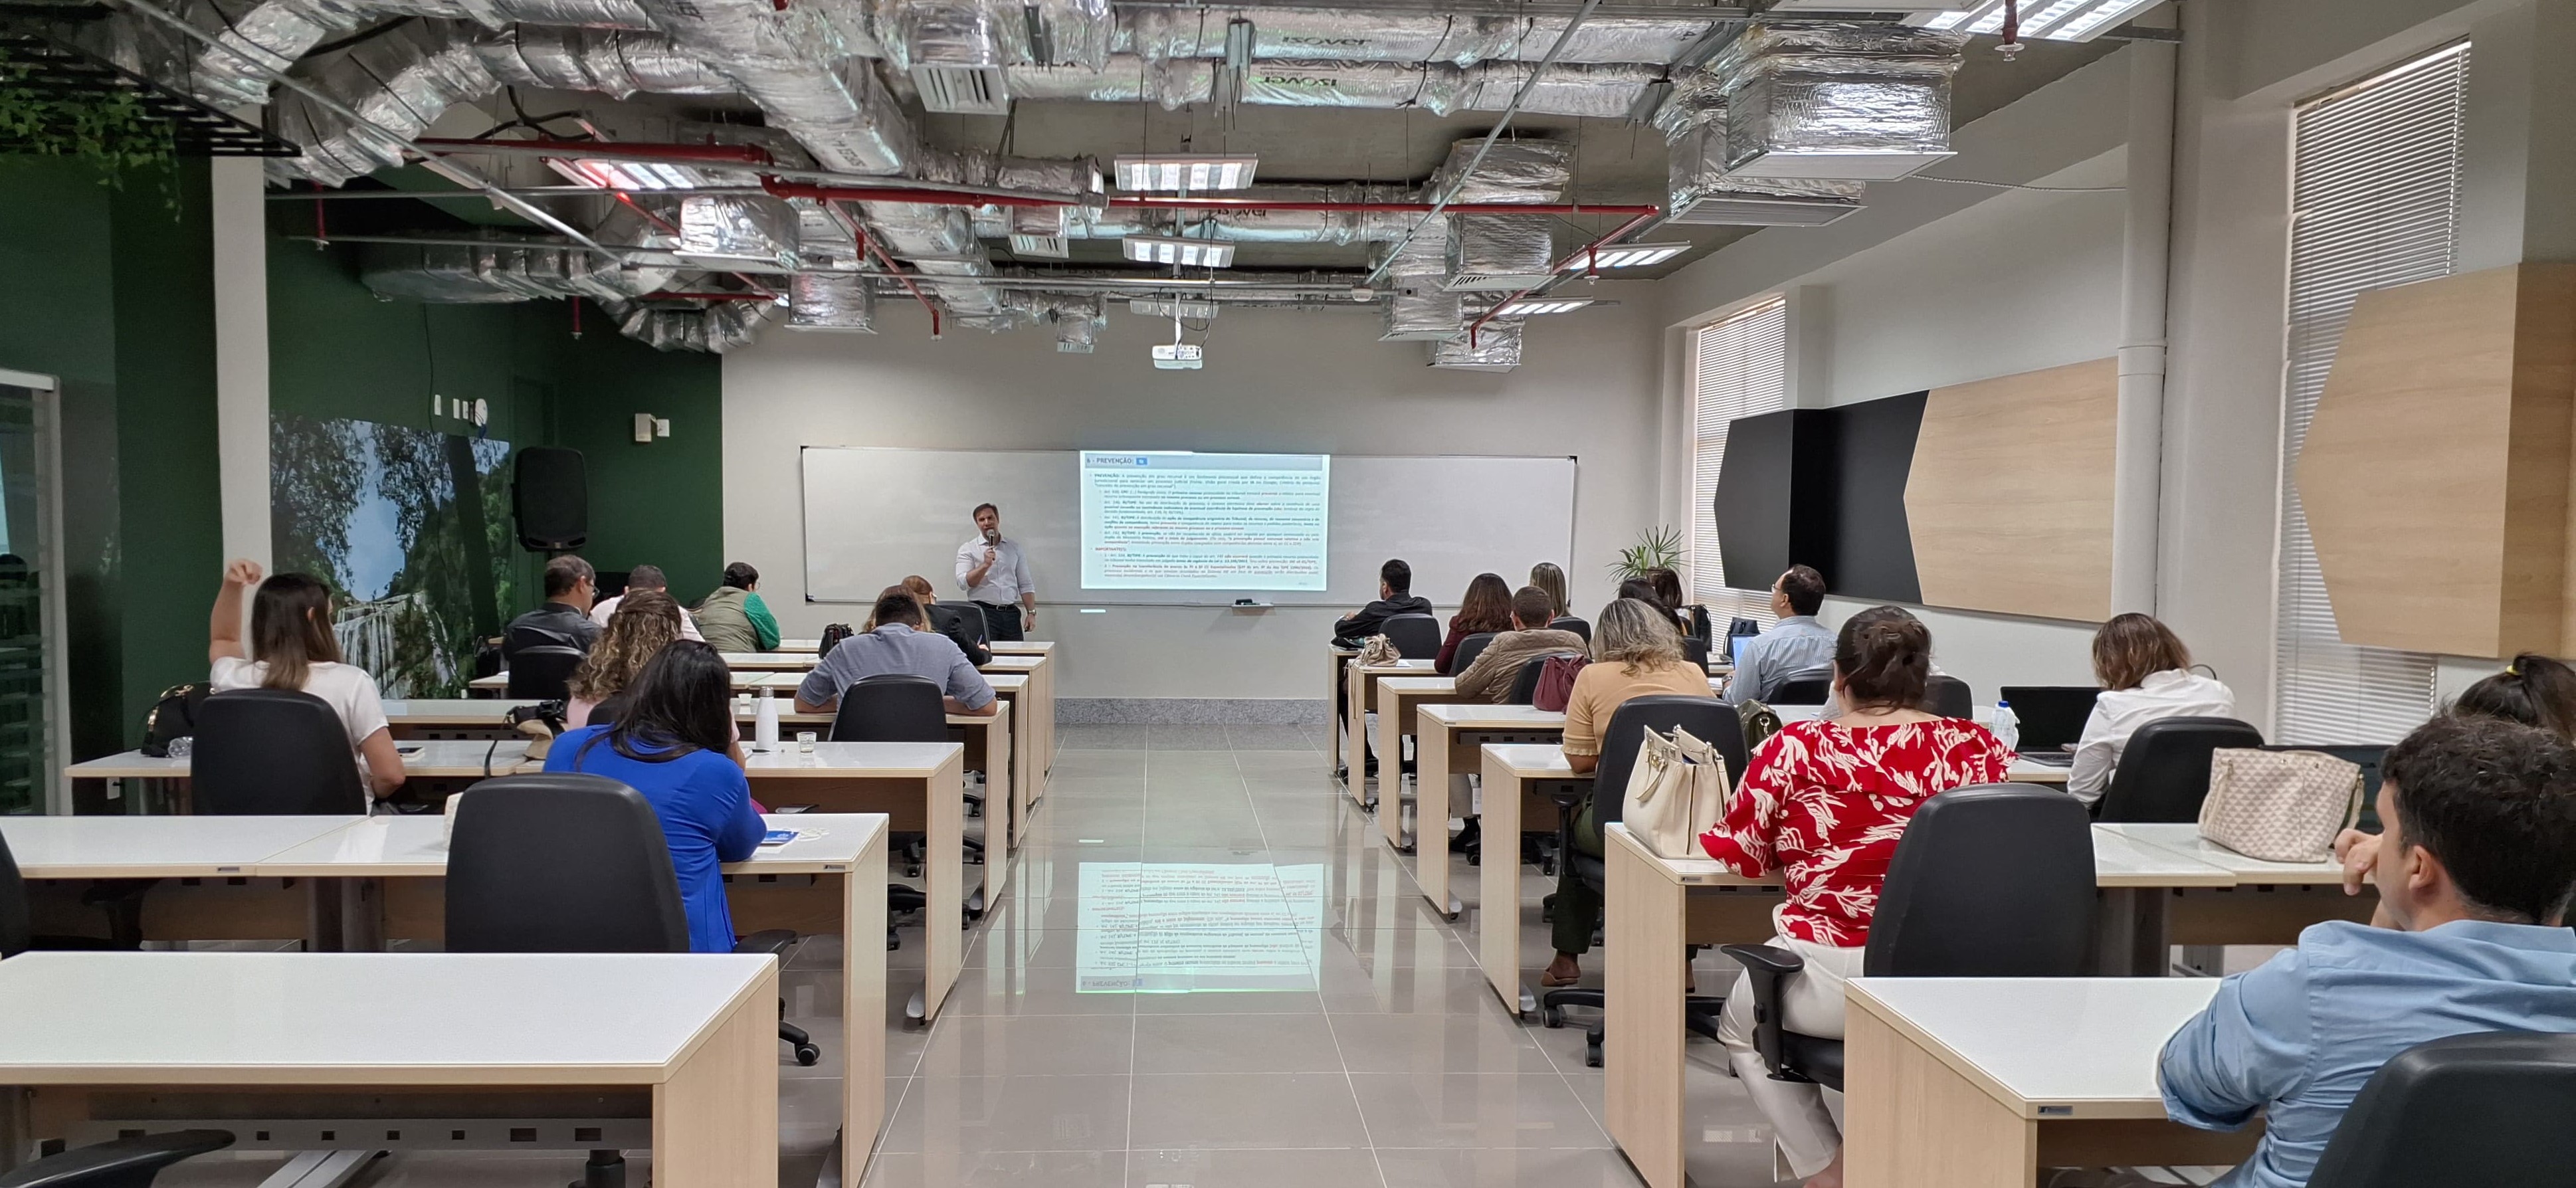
[2146, 675]
[644, 623]
[1635, 651]
[1487, 609]
[1644, 591]
[670, 745]
[1548, 576]
[1824, 803]
[292, 646]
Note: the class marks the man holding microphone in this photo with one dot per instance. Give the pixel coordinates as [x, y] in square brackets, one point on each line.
[995, 575]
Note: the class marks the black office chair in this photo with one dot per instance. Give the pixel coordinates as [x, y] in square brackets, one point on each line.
[1707, 719]
[2488, 1108]
[1949, 697]
[1815, 690]
[1580, 627]
[2164, 771]
[119, 897]
[273, 752]
[1416, 637]
[130, 1162]
[1524, 688]
[1468, 649]
[1695, 649]
[1990, 880]
[895, 708]
[543, 672]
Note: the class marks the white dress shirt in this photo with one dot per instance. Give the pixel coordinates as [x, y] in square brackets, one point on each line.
[2117, 714]
[1005, 582]
[608, 606]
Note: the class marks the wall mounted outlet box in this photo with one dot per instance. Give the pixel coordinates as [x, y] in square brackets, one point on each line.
[643, 428]
[661, 426]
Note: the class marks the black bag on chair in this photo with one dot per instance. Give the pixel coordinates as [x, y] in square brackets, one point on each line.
[173, 716]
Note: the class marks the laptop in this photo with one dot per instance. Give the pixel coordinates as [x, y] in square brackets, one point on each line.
[2052, 719]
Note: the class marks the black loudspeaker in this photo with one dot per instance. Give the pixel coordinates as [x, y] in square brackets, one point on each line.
[550, 496]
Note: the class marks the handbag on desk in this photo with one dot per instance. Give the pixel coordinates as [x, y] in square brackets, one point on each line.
[1378, 651]
[1676, 792]
[2279, 806]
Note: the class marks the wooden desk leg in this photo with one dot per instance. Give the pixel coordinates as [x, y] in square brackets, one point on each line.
[1641, 1011]
[1910, 1122]
[1357, 744]
[715, 1121]
[1390, 816]
[863, 995]
[1025, 781]
[1498, 889]
[943, 919]
[1333, 707]
[1390, 754]
[1001, 812]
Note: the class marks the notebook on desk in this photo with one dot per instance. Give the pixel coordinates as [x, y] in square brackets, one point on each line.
[2052, 719]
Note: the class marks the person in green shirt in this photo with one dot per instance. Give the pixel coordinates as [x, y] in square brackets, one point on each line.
[734, 619]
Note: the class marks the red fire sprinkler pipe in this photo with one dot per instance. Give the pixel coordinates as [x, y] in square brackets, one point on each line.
[1472, 208]
[896, 193]
[1588, 251]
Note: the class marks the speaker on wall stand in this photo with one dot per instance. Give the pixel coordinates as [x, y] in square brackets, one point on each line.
[550, 498]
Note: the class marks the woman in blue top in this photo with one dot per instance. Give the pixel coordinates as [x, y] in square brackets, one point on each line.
[670, 744]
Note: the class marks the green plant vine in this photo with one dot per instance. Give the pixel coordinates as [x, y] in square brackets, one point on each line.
[1656, 548]
[110, 130]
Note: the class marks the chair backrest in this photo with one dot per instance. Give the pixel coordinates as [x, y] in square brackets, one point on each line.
[1695, 649]
[2164, 771]
[272, 752]
[544, 672]
[1949, 697]
[1524, 690]
[1468, 649]
[968, 616]
[1989, 880]
[1803, 691]
[1416, 637]
[2488, 1108]
[1708, 719]
[561, 863]
[17, 925]
[1582, 627]
[891, 708]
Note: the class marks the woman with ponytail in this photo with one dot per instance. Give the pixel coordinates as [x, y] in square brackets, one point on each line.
[1824, 803]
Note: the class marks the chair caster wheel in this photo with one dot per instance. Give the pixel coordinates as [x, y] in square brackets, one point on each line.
[894, 940]
[808, 1055]
[1592, 1055]
[1553, 1017]
[912, 872]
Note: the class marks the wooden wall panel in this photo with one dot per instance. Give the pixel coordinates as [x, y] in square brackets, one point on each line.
[2009, 502]
[2436, 472]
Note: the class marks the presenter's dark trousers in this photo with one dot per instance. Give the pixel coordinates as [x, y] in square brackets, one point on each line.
[1001, 621]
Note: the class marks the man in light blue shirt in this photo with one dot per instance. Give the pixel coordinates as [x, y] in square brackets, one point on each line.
[896, 646]
[2474, 873]
[1795, 646]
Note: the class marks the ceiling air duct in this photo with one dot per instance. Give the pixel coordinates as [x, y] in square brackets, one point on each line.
[1702, 193]
[1503, 253]
[614, 62]
[1497, 347]
[738, 231]
[1835, 99]
[954, 50]
[835, 301]
[1418, 309]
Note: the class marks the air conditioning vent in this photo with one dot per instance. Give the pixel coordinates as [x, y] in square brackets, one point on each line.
[1495, 282]
[1753, 211]
[1051, 247]
[963, 90]
[1162, 307]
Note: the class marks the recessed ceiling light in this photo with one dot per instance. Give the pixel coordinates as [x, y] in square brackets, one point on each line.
[1624, 255]
[2046, 20]
[1528, 307]
[1188, 253]
[1192, 173]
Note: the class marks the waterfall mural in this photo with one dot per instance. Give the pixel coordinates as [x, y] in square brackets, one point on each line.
[411, 529]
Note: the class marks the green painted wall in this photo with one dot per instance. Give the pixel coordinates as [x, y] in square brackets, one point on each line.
[660, 503]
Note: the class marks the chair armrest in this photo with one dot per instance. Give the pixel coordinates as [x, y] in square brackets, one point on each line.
[1764, 967]
[118, 1161]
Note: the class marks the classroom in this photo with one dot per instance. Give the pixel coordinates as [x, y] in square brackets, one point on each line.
[727, 593]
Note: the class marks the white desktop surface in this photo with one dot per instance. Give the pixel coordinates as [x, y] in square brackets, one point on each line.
[2121, 860]
[1396, 667]
[155, 847]
[1532, 761]
[1007, 682]
[1417, 684]
[1006, 662]
[2185, 839]
[2086, 1043]
[861, 760]
[455, 709]
[348, 1018]
[416, 846]
[1478, 715]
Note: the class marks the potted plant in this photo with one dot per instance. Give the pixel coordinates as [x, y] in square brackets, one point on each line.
[1659, 547]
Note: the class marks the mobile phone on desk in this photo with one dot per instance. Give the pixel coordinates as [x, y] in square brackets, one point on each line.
[778, 837]
[413, 749]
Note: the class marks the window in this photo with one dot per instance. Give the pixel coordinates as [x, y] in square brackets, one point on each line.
[2375, 197]
[1739, 368]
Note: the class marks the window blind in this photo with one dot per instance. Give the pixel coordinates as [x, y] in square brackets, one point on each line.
[1739, 368]
[2375, 202]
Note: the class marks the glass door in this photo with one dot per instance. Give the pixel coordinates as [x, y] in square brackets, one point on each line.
[32, 679]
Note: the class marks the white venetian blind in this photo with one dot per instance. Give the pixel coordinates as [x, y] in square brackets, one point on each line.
[1739, 368]
[2375, 201]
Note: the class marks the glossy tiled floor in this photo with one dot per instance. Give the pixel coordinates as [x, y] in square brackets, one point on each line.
[1208, 971]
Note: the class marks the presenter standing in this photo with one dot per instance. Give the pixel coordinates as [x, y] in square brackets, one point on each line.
[995, 575]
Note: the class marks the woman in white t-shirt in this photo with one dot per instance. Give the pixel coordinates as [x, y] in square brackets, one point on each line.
[2146, 675]
[292, 647]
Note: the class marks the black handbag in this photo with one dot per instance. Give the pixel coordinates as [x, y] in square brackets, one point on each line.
[173, 716]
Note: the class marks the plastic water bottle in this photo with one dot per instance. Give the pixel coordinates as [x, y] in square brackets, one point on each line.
[2007, 728]
[764, 728]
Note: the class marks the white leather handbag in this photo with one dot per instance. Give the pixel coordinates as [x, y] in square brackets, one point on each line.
[1676, 792]
[2279, 806]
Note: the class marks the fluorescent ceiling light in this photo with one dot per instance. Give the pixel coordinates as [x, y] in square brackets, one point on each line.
[1188, 253]
[1163, 307]
[1192, 173]
[1528, 307]
[626, 175]
[2044, 20]
[1625, 255]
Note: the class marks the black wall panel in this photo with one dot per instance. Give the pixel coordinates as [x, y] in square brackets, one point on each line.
[1872, 548]
[1823, 487]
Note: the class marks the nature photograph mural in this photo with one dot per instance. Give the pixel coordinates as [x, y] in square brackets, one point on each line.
[411, 529]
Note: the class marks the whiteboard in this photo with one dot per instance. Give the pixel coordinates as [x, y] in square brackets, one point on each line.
[874, 515]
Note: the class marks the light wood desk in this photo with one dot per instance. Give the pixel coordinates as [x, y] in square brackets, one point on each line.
[1360, 697]
[2266, 903]
[431, 768]
[779, 661]
[744, 680]
[1336, 693]
[1399, 702]
[830, 881]
[678, 1050]
[1980, 1082]
[1448, 739]
[1013, 690]
[1039, 668]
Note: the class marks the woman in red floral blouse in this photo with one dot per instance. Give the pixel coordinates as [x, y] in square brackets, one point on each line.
[1824, 803]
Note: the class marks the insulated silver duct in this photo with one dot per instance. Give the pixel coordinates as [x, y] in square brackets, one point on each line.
[1078, 318]
[275, 33]
[720, 327]
[1419, 308]
[836, 301]
[1497, 348]
[1700, 191]
[738, 231]
[401, 82]
[1362, 35]
[796, 65]
[1605, 91]
[614, 62]
[1123, 79]
[1837, 99]
[506, 271]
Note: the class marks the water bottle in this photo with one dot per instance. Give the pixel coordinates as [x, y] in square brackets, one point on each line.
[764, 736]
[2007, 728]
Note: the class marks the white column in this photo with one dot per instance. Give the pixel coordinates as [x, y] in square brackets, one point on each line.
[2138, 466]
[241, 355]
